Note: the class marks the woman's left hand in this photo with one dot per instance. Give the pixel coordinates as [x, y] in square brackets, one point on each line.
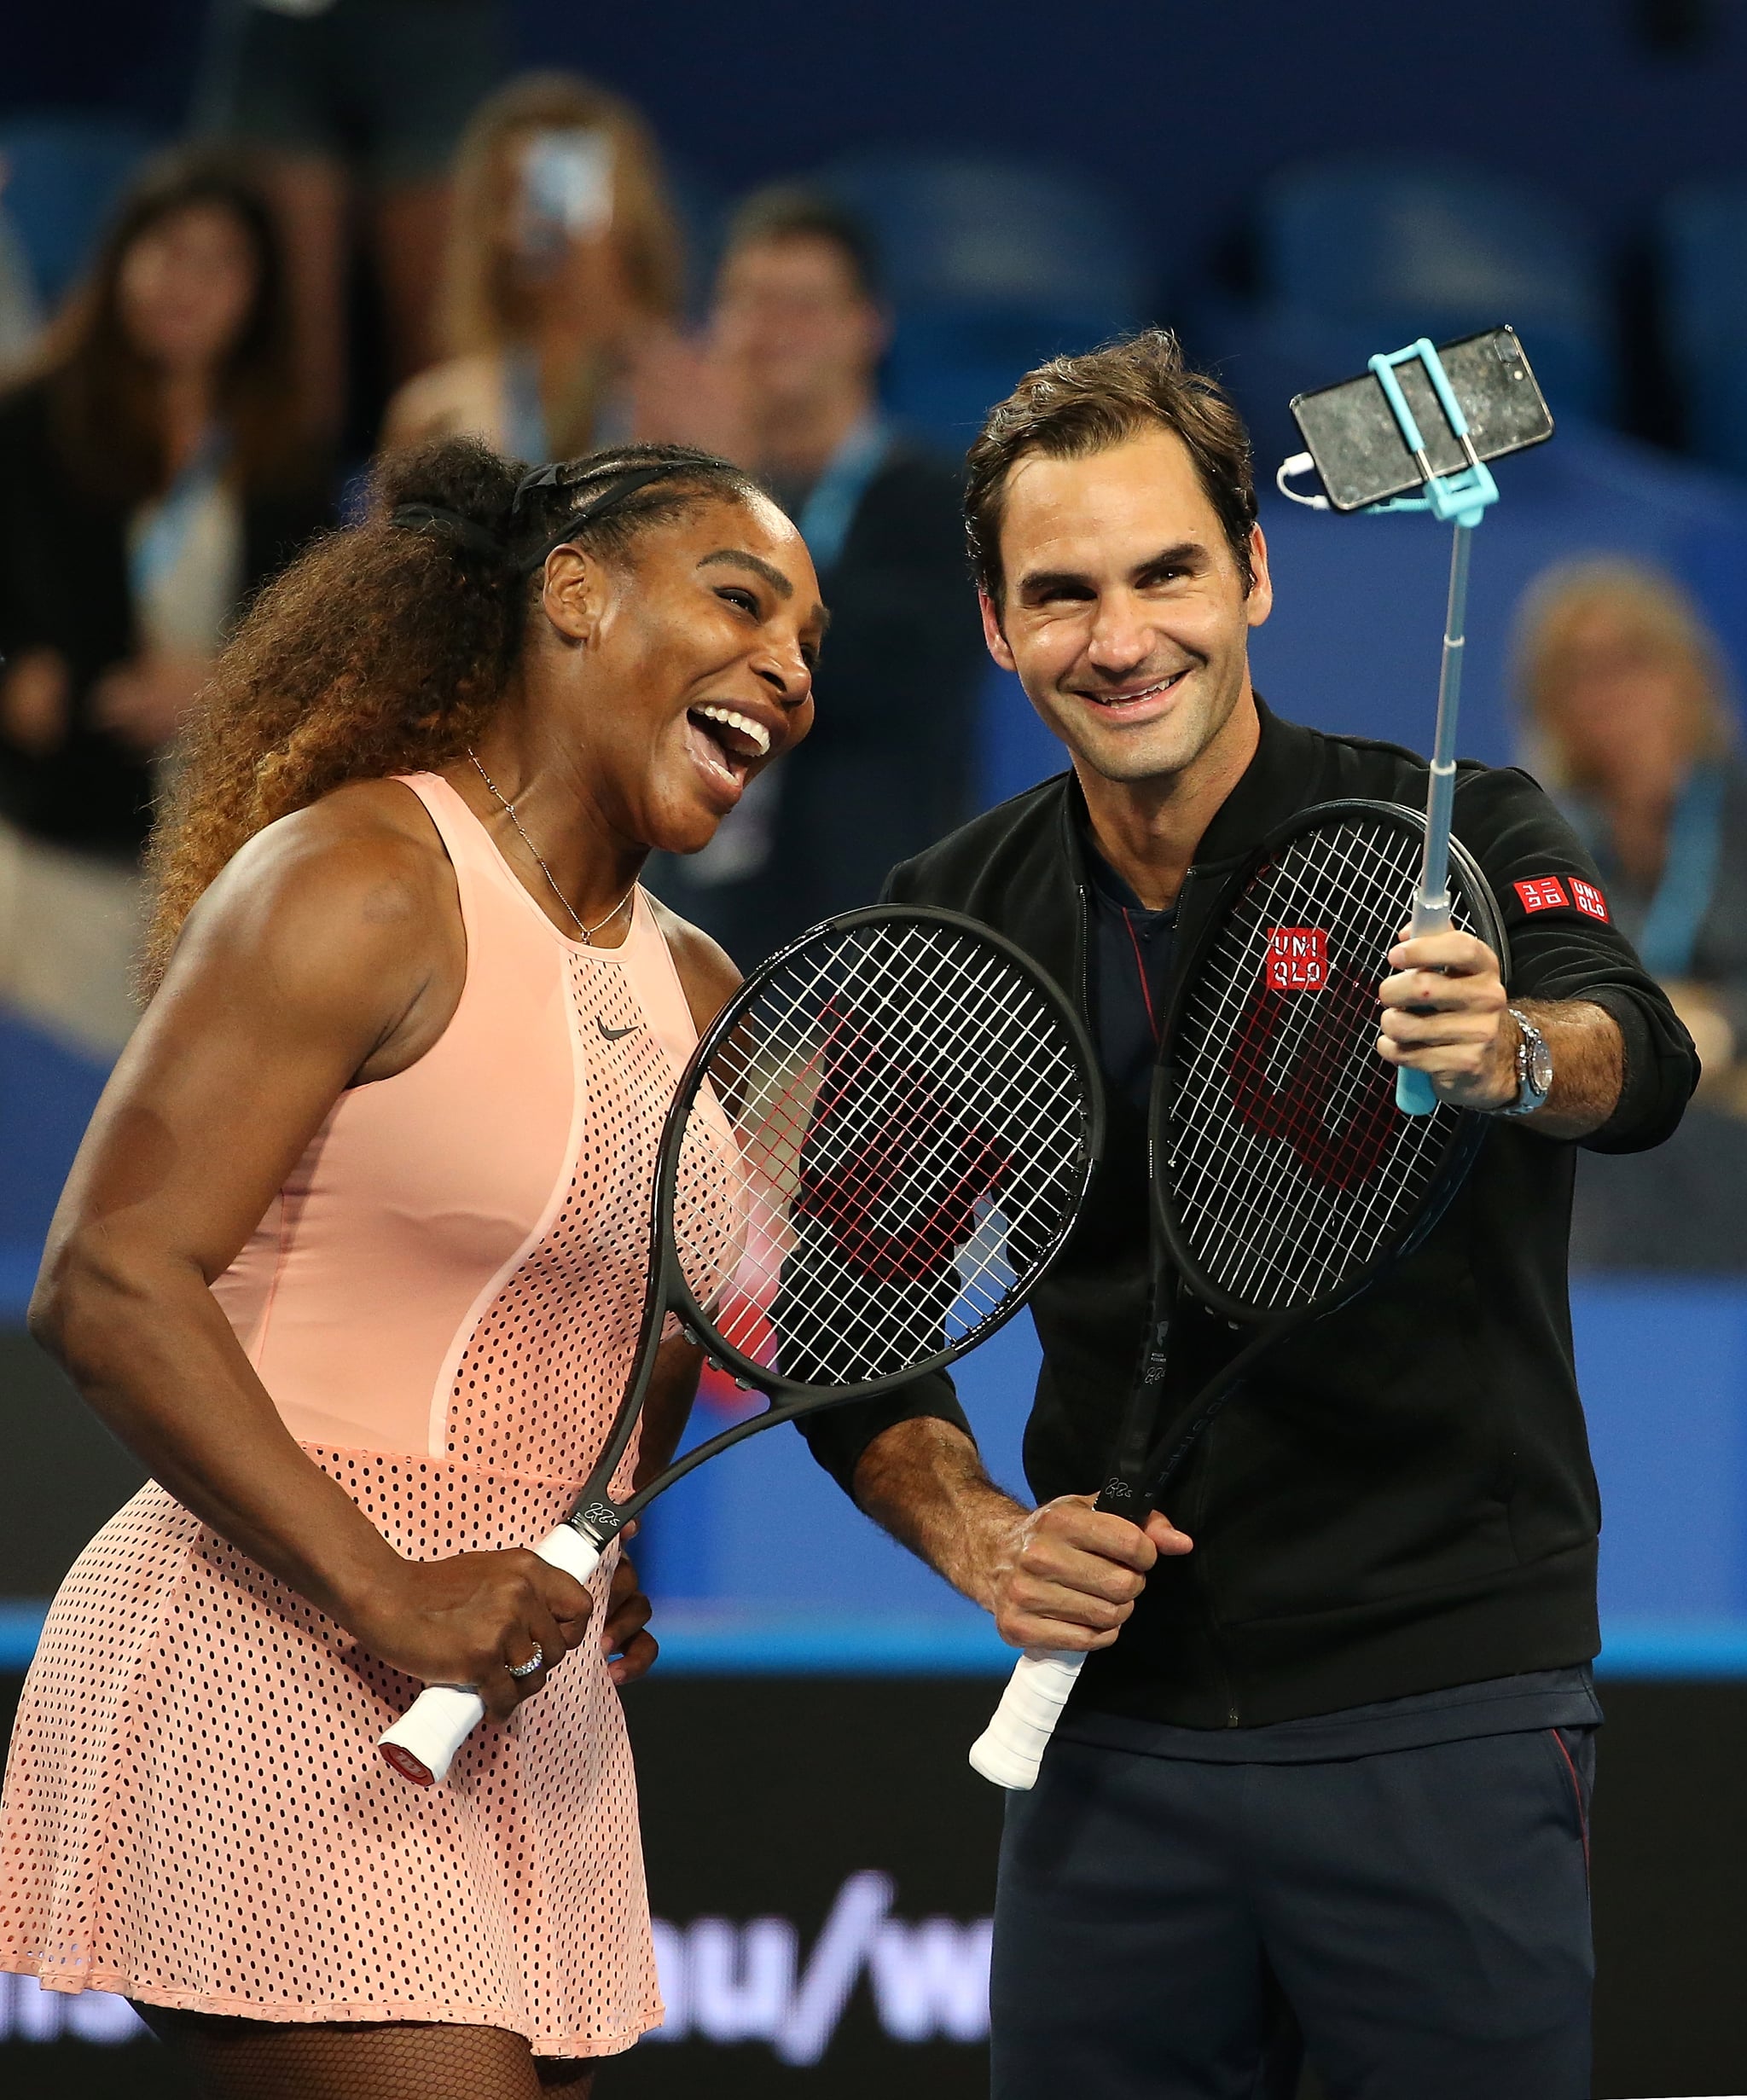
[625, 1641]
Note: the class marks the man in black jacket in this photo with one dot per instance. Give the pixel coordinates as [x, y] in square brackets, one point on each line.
[1328, 1790]
[799, 332]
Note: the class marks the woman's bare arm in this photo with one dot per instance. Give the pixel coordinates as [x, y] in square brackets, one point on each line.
[330, 952]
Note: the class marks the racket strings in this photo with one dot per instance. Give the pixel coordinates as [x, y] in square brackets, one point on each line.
[882, 1153]
[1292, 1171]
[1338, 1115]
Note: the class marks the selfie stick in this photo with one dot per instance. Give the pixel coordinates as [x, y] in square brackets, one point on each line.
[1460, 499]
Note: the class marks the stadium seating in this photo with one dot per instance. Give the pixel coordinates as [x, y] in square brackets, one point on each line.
[1703, 269]
[1364, 253]
[990, 265]
[1410, 249]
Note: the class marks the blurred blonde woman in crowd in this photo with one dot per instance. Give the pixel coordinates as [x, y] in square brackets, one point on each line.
[1626, 706]
[564, 278]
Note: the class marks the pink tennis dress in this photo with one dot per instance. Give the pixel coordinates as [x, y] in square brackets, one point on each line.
[443, 1302]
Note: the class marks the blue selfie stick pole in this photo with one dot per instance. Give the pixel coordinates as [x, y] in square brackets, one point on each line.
[1431, 896]
[1462, 500]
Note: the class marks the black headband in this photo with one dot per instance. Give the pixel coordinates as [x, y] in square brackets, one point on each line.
[467, 532]
[478, 539]
[599, 505]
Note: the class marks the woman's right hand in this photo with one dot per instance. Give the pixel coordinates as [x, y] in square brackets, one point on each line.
[464, 1621]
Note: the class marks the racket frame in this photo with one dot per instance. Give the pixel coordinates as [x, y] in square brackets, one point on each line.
[1009, 1751]
[595, 1515]
[1476, 893]
[423, 1742]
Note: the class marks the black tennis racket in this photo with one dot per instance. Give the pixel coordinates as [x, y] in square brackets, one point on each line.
[1286, 1180]
[874, 1154]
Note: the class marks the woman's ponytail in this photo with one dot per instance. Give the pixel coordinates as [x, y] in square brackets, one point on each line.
[385, 648]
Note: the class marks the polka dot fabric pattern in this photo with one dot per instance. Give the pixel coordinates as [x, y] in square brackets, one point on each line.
[226, 1839]
[195, 1814]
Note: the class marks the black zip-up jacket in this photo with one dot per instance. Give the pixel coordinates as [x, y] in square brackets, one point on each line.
[1400, 1499]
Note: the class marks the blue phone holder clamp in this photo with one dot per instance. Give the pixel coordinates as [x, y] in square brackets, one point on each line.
[1461, 498]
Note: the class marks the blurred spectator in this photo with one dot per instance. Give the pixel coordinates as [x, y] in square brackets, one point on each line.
[19, 319]
[1631, 726]
[1628, 706]
[797, 331]
[357, 105]
[564, 276]
[153, 469]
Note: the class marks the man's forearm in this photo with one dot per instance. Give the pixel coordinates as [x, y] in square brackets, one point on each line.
[1446, 1013]
[1589, 1065]
[923, 1481]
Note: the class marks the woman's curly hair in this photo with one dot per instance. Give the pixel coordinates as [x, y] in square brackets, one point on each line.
[387, 646]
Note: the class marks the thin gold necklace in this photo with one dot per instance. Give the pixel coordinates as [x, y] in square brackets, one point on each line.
[509, 808]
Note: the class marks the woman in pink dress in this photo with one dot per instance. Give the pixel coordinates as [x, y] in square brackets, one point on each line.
[353, 1258]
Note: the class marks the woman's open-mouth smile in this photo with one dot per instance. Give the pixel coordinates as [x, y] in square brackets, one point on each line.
[725, 744]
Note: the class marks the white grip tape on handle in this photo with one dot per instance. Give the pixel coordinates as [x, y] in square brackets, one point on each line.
[422, 1743]
[1011, 1747]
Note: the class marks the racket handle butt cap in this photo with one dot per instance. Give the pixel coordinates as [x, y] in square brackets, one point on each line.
[1009, 1751]
[1413, 1093]
[422, 1743]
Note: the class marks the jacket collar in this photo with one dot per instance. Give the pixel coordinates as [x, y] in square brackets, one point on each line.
[1281, 778]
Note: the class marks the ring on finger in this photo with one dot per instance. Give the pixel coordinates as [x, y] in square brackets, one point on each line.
[535, 1661]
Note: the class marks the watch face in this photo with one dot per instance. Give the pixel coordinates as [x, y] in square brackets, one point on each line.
[1540, 1067]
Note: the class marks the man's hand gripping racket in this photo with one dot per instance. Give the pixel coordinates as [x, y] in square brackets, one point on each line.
[1284, 1176]
[876, 1150]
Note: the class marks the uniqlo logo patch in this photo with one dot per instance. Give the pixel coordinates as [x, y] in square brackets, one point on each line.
[1545, 893]
[1297, 959]
[1587, 898]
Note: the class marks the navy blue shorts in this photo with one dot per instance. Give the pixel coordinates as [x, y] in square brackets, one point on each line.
[1415, 1922]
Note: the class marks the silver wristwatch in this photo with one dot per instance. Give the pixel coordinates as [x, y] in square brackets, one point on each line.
[1533, 1068]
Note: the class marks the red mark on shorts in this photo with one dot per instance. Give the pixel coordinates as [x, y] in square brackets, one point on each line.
[1587, 898]
[1297, 959]
[1547, 893]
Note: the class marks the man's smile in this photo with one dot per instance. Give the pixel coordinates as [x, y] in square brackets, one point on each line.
[1135, 703]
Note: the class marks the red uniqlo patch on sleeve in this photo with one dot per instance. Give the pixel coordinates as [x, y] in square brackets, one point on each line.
[1544, 893]
[1297, 959]
[1587, 898]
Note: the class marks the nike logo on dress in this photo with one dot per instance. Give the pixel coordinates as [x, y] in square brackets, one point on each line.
[616, 1035]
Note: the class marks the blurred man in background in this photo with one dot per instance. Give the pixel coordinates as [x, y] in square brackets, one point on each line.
[797, 333]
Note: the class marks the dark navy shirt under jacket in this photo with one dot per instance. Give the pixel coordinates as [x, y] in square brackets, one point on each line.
[1129, 967]
[1131, 955]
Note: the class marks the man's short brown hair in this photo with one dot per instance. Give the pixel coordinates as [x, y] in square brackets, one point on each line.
[1074, 407]
[794, 212]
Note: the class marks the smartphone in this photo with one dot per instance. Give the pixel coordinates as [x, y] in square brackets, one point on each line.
[566, 188]
[1351, 432]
